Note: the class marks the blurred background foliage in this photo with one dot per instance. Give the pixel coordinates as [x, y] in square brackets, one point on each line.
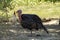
[42, 8]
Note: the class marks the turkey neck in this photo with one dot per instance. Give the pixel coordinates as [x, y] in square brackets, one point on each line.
[20, 19]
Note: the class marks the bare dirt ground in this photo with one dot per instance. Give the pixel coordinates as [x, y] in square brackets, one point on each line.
[10, 32]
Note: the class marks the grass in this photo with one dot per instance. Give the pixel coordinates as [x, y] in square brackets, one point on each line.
[43, 10]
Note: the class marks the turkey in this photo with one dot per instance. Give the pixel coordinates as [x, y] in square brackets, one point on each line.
[30, 21]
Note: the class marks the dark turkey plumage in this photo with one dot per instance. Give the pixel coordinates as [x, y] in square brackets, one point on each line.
[30, 21]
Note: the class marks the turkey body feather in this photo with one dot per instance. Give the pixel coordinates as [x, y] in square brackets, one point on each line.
[32, 21]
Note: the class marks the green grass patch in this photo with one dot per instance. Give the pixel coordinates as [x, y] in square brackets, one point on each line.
[43, 10]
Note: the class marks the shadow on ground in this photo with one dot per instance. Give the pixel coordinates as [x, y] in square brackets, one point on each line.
[9, 32]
